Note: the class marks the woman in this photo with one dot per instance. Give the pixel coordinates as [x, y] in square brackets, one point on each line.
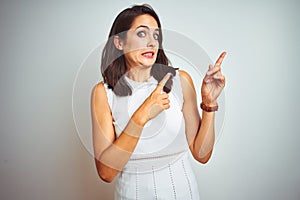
[145, 114]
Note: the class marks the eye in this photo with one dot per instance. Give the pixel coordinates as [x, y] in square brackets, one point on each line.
[141, 34]
[156, 36]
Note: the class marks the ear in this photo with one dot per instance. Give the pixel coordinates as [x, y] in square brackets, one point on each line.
[118, 42]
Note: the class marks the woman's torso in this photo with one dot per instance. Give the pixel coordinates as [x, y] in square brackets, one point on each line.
[159, 167]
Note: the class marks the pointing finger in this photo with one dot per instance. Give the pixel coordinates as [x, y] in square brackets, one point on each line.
[163, 82]
[220, 59]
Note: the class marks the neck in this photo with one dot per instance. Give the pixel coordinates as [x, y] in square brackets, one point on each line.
[139, 74]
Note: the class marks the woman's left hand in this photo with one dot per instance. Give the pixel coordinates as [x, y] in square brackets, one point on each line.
[213, 83]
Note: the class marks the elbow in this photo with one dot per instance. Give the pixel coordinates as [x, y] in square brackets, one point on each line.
[203, 159]
[105, 177]
[105, 173]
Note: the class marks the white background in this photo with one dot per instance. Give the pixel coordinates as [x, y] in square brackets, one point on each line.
[43, 44]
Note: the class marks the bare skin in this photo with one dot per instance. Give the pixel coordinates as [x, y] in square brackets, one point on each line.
[200, 132]
[111, 153]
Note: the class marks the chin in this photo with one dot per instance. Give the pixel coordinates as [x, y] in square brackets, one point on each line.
[148, 62]
[148, 65]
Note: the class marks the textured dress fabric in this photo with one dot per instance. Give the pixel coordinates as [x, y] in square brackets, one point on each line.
[159, 167]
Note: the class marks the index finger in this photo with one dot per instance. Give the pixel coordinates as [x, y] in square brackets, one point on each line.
[220, 59]
[163, 82]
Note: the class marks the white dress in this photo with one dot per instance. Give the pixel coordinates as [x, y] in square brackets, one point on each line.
[159, 167]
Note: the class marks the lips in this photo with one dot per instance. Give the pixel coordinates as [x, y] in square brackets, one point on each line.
[148, 54]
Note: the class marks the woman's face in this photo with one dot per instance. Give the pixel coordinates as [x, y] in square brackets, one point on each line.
[141, 45]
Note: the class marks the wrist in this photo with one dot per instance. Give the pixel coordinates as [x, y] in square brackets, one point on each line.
[139, 119]
[210, 107]
[209, 103]
[133, 128]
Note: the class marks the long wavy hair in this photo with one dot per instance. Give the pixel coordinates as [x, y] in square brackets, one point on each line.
[113, 65]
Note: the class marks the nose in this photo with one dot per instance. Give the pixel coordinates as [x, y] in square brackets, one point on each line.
[151, 41]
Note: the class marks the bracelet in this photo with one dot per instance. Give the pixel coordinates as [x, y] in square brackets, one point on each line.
[207, 108]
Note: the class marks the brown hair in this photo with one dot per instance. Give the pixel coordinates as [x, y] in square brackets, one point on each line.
[113, 66]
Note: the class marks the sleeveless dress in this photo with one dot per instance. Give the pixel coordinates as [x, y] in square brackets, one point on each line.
[159, 167]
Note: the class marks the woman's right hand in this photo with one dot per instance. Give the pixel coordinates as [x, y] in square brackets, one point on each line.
[157, 101]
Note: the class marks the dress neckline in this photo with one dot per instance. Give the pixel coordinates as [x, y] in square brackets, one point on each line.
[150, 80]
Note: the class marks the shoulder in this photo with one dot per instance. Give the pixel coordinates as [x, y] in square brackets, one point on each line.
[186, 79]
[98, 89]
[98, 94]
[183, 73]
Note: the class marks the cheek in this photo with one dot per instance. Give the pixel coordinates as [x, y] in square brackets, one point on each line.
[138, 45]
[132, 53]
[135, 43]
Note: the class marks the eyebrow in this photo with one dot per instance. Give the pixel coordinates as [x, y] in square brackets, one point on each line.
[143, 26]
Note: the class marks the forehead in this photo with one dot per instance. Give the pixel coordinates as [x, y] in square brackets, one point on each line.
[145, 20]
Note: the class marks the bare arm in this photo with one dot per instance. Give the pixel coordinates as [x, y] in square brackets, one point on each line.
[196, 129]
[112, 154]
[201, 133]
